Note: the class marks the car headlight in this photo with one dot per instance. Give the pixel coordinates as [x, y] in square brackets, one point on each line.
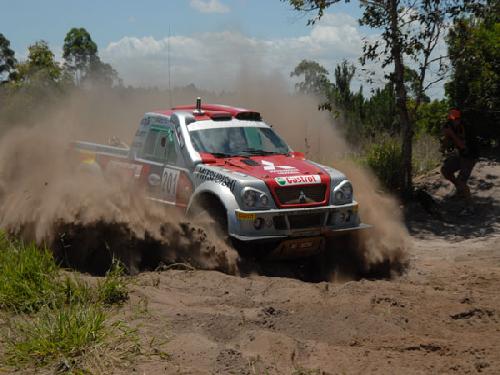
[254, 198]
[343, 192]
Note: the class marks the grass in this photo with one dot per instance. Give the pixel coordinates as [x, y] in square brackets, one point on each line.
[26, 277]
[62, 335]
[56, 318]
[113, 290]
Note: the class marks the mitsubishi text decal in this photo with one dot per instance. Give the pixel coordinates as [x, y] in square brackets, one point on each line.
[298, 180]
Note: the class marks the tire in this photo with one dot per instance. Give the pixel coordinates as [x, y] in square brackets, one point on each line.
[211, 214]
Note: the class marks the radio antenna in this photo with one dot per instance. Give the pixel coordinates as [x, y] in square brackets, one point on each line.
[169, 68]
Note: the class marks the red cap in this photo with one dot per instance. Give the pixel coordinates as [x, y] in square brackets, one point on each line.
[454, 114]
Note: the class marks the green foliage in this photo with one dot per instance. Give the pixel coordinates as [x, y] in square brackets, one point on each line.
[41, 66]
[385, 158]
[27, 277]
[62, 334]
[344, 72]
[316, 80]
[79, 51]
[474, 48]
[431, 116]
[7, 58]
[113, 290]
[56, 317]
[409, 30]
[83, 62]
[380, 111]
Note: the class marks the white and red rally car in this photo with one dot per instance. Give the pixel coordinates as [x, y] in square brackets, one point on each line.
[228, 162]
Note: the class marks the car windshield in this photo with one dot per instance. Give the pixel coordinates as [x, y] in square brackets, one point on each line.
[244, 141]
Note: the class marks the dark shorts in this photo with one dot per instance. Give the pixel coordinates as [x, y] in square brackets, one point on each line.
[456, 163]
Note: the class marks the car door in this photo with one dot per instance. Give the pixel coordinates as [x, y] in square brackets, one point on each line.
[166, 173]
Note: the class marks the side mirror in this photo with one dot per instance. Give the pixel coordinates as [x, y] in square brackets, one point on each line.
[163, 141]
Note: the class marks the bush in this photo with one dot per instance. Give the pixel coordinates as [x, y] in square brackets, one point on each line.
[385, 160]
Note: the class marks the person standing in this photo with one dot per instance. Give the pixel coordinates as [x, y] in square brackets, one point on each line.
[460, 136]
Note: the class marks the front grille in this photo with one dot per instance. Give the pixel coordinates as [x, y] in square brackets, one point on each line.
[292, 194]
[305, 221]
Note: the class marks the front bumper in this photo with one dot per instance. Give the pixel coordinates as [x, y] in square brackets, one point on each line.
[279, 224]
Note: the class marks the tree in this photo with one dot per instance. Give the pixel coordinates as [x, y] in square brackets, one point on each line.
[102, 74]
[410, 30]
[315, 81]
[344, 72]
[474, 49]
[7, 59]
[41, 66]
[79, 53]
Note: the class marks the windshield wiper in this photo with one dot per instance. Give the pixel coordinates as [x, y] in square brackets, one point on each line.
[221, 155]
[253, 151]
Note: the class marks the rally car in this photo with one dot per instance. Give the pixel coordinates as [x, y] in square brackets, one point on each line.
[229, 163]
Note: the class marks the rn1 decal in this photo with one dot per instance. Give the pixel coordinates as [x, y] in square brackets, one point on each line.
[298, 180]
[278, 169]
[205, 174]
[169, 180]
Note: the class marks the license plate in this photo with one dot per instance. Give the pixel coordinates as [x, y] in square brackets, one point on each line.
[298, 248]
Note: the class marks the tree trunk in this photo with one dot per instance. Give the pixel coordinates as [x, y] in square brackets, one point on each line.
[401, 102]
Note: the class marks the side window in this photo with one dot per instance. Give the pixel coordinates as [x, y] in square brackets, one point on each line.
[160, 145]
[165, 147]
[149, 146]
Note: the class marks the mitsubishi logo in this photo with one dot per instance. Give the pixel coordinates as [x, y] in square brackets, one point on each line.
[302, 197]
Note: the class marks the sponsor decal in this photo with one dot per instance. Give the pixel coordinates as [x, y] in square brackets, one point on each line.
[154, 179]
[298, 180]
[244, 216]
[278, 169]
[125, 167]
[205, 174]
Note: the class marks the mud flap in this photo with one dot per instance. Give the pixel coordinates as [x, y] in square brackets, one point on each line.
[298, 248]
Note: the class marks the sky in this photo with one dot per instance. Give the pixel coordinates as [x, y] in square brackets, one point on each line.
[208, 42]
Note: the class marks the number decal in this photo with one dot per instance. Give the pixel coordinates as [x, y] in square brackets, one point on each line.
[169, 180]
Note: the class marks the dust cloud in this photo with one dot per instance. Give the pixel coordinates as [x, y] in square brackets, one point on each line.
[89, 218]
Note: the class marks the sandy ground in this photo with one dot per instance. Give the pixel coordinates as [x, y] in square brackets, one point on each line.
[442, 316]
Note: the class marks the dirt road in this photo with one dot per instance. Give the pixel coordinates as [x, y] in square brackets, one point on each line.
[441, 316]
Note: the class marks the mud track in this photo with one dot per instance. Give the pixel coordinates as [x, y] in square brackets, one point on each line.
[440, 317]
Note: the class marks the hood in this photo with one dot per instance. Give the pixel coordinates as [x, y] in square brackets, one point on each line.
[274, 166]
[281, 172]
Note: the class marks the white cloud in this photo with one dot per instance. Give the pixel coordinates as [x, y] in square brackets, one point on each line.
[208, 6]
[215, 60]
